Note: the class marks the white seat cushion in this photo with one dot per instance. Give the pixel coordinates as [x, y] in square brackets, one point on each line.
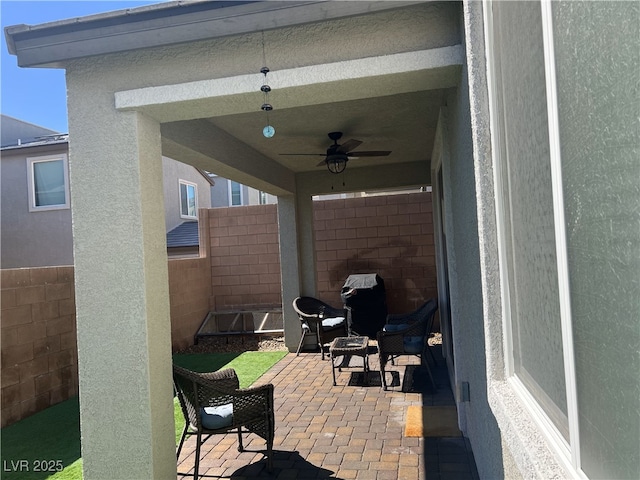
[214, 418]
[332, 322]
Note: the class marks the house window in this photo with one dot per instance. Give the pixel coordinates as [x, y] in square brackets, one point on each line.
[263, 197]
[566, 261]
[536, 339]
[48, 184]
[235, 193]
[188, 200]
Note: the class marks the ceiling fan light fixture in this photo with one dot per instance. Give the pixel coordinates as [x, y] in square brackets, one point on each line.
[337, 163]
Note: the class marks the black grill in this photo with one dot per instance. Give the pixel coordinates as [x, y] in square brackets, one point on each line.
[365, 300]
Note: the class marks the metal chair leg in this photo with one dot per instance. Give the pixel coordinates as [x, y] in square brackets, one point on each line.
[305, 331]
[433, 358]
[424, 362]
[197, 463]
[300, 345]
[184, 435]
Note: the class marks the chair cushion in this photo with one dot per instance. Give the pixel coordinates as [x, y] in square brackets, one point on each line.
[413, 344]
[332, 322]
[214, 418]
[392, 327]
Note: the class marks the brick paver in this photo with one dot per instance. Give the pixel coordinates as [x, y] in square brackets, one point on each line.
[348, 431]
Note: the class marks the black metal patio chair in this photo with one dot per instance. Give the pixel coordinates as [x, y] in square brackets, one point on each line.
[407, 334]
[319, 319]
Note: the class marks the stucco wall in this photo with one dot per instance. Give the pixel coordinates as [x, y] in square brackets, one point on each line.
[41, 239]
[464, 261]
[250, 196]
[31, 239]
[39, 354]
[598, 139]
[172, 172]
[424, 26]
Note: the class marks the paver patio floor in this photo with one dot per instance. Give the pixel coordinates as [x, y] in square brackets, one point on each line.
[348, 431]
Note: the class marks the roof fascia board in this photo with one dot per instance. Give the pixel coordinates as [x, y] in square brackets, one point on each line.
[41, 145]
[206, 176]
[51, 44]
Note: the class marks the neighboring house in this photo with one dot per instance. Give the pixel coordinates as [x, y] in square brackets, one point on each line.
[186, 190]
[36, 207]
[15, 132]
[229, 193]
[523, 116]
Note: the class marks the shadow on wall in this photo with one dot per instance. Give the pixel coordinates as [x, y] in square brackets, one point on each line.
[409, 281]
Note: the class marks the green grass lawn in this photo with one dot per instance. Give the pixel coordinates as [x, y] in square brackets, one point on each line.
[50, 440]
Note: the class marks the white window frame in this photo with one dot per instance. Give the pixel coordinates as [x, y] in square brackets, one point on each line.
[561, 234]
[230, 184]
[567, 452]
[195, 191]
[31, 188]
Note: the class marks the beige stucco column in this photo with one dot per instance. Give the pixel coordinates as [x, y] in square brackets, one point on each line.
[306, 245]
[295, 226]
[124, 348]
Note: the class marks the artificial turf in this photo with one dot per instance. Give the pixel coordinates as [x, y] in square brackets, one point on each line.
[38, 446]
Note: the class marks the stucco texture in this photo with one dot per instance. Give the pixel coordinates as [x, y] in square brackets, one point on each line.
[598, 54]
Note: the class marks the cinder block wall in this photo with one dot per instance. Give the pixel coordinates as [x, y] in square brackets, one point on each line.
[390, 235]
[38, 329]
[189, 298]
[39, 353]
[245, 258]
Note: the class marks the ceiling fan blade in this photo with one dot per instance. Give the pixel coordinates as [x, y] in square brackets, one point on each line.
[348, 145]
[323, 162]
[373, 153]
[309, 154]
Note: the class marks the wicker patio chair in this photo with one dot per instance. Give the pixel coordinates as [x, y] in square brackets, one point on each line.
[407, 334]
[319, 319]
[213, 403]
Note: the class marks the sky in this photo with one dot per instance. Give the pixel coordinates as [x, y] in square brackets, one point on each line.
[38, 95]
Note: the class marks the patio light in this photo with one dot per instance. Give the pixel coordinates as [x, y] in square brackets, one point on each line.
[337, 163]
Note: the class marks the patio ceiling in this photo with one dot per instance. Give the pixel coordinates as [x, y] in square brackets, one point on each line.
[404, 123]
[395, 109]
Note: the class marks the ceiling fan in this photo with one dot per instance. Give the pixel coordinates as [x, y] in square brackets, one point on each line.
[337, 156]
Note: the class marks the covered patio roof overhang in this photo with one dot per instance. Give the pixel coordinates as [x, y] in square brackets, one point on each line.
[183, 80]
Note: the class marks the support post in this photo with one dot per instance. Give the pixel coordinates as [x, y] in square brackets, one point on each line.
[122, 297]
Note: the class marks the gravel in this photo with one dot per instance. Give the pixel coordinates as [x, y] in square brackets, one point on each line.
[237, 343]
[258, 343]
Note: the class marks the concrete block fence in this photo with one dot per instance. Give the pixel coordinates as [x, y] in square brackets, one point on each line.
[238, 267]
[39, 353]
[391, 235]
[245, 256]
